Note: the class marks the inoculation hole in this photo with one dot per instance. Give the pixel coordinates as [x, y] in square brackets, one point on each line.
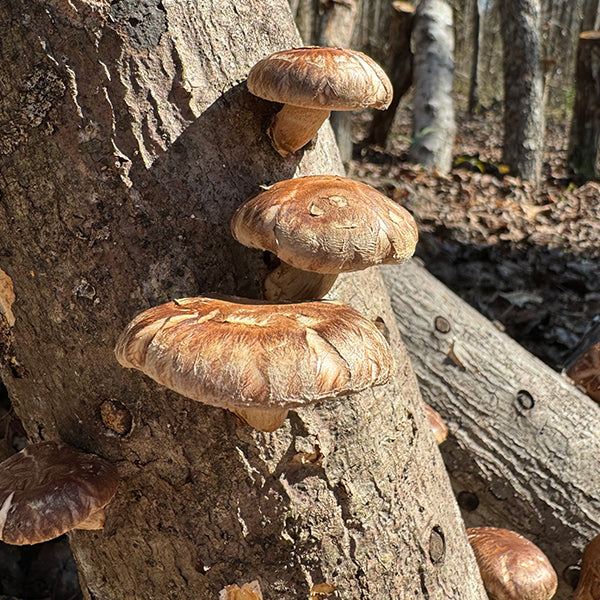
[383, 328]
[437, 544]
[468, 500]
[442, 324]
[571, 575]
[525, 400]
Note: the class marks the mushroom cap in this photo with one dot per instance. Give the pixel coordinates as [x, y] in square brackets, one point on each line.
[586, 372]
[325, 78]
[50, 488]
[256, 355]
[588, 587]
[512, 567]
[326, 224]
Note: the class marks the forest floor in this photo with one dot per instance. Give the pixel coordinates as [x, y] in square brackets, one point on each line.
[528, 259]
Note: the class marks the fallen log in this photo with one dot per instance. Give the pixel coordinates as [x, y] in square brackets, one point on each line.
[523, 450]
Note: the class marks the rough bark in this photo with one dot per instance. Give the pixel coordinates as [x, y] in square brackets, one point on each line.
[306, 16]
[523, 143]
[398, 66]
[590, 15]
[474, 79]
[584, 146]
[433, 77]
[128, 140]
[524, 445]
[336, 27]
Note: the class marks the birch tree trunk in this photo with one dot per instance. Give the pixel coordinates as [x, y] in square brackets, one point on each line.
[523, 144]
[433, 77]
[128, 140]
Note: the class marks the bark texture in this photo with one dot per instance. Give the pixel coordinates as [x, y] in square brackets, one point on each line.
[433, 77]
[398, 66]
[336, 26]
[128, 141]
[584, 149]
[523, 450]
[523, 144]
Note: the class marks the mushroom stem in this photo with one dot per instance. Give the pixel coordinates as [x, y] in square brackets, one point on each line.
[294, 126]
[265, 419]
[289, 284]
[94, 521]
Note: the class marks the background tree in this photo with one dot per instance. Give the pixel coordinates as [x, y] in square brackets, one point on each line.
[398, 65]
[523, 144]
[129, 139]
[336, 26]
[433, 76]
[584, 146]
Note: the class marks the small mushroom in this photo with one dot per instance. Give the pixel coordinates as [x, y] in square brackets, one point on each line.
[310, 83]
[439, 428]
[320, 226]
[256, 359]
[50, 488]
[511, 567]
[588, 587]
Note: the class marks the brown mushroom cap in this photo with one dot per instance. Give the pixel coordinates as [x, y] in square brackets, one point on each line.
[588, 587]
[50, 488]
[326, 224]
[586, 372]
[326, 78]
[439, 428]
[253, 355]
[512, 567]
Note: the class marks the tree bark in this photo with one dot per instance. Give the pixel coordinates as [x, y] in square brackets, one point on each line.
[473, 106]
[399, 67]
[590, 15]
[336, 27]
[584, 145]
[523, 144]
[433, 76]
[523, 450]
[128, 141]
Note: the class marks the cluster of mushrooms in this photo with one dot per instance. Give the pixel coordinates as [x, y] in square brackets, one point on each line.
[259, 359]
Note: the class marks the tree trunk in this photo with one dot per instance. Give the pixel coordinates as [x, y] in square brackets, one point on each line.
[433, 76]
[129, 139]
[336, 27]
[306, 17]
[590, 15]
[474, 79]
[584, 148]
[523, 144]
[399, 67]
[523, 450]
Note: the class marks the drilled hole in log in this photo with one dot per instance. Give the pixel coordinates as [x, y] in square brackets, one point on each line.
[437, 545]
[468, 501]
[442, 324]
[571, 575]
[380, 324]
[525, 400]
